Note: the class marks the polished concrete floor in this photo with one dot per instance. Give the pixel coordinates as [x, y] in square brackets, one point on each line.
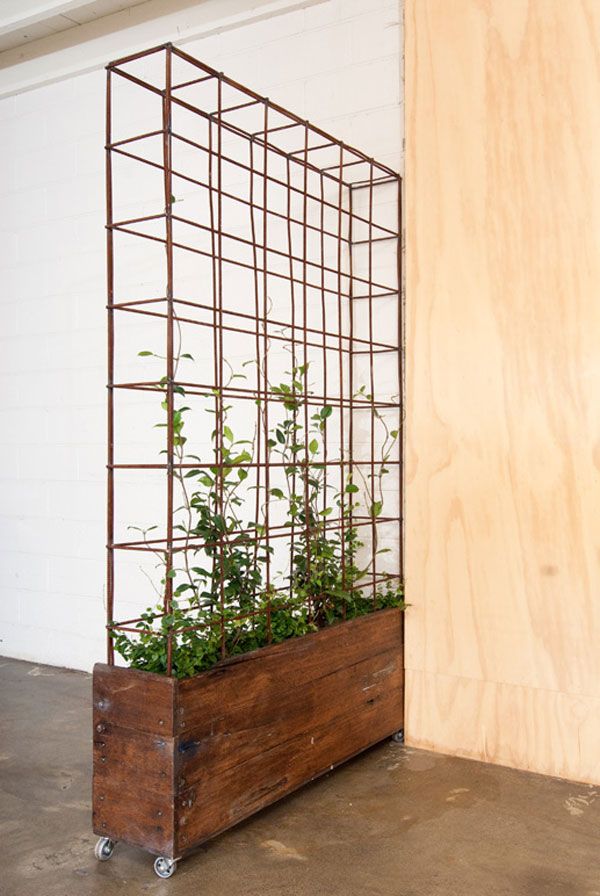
[395, 822]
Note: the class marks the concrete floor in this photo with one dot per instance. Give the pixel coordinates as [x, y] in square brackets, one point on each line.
[395, 822]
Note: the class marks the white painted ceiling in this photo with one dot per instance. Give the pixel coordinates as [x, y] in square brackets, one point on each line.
[22, 21]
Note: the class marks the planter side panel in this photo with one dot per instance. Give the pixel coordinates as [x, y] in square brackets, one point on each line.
[133, 769]
[256, 729]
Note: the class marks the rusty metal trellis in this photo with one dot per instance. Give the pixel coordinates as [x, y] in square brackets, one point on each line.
[298, 212]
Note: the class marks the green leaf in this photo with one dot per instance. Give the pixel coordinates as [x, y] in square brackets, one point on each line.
[183, 587]
[376, 508]
[277, 493]
[280, 436]
[313, 446]
[228, 433]
[171, 574]
[145, 354]
[241, 458]
[326, 412]
[187, 355]
[351, 488]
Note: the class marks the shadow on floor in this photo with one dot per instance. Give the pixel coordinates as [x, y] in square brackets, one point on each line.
[394, 822]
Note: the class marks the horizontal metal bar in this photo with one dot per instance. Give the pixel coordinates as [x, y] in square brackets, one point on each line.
[264, 322]
[252, 465]
[239, 392]
[193, 81]
[123, 60]
[153, 544]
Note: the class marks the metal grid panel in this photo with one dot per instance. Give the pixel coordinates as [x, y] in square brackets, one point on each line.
[310, 227]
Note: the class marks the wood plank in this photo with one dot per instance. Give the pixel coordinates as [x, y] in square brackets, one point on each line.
[221, 801]
[133, 699]
[289, 665]
[503, 378]
[272, 713]
[133, 769]
[133, 795]
[460, 716]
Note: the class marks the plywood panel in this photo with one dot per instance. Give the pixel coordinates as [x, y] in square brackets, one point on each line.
[521, 727]
[503, 377]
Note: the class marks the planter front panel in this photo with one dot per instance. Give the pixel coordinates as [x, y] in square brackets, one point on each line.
[242, 735]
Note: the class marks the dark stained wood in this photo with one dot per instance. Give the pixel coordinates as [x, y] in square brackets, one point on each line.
[134, 751]
[293, 662]
[133, 790]
[227, 798]
[144, 702]
[270, 712]
[175, 763]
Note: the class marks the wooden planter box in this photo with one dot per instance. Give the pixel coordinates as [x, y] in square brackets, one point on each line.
[177, 762]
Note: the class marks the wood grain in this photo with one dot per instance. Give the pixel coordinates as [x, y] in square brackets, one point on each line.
[270, 712]
[248, 732]
[132, 791]
[227, 797]
[283, 667]
[144, 704]
[503, 379]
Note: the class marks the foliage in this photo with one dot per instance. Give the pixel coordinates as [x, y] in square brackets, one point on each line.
[223, 603]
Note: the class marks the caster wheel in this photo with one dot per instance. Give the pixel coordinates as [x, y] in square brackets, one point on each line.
[103, 849]
[398, 737]
[165, 867]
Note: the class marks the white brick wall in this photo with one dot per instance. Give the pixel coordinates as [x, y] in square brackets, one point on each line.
[337, 63]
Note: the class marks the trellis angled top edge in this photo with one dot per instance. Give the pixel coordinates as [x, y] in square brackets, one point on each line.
[293, 120]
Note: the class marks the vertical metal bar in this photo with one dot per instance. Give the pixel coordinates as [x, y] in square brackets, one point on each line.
[219, 422]
[400, 392]
[169, 351]
[110, 423]
[341, 374]
[372, 388]
[307, 509]
[257, 350]
[215, 346]
[350, 460]
[265, 311]
[294, 357]
[324, 337]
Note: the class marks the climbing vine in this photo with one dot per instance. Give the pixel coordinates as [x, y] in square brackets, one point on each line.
[223, 602]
